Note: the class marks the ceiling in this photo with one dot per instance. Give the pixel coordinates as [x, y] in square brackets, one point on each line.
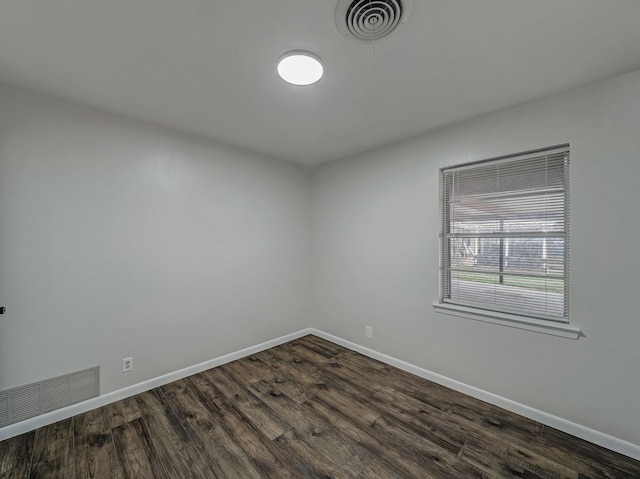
[208, 67]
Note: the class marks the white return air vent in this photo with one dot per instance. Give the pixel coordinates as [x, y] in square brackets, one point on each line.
[24, 402]
[367, 20]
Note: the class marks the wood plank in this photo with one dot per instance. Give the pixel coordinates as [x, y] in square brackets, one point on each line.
[254, 370]
[121, 412]
[256, 412]
[329, 389]
[286, 363]
[173, 445]
[15, 456]
[442, 427]
[264, 455]
[205, 426]
[245, 373]
[322, 346]
[368, 379]
[209, 392]
[53, 451]
[136, 453]
[95, 454]
[446, 429]
[306, 459]
[448, 438]
[436, 461]
[313, 430]
[390, 459]
[586, 458]
[477, 412]
[506, 460]
[461, 409]
[371, 407]
[381, 470]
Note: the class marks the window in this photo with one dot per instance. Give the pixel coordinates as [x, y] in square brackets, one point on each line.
[505, 240]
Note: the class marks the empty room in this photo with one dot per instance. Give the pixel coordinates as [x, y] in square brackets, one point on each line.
[320, 239]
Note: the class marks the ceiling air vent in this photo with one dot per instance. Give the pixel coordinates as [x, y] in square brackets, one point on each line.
[368, 20]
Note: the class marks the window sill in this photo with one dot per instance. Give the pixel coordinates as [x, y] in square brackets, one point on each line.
[521, 322]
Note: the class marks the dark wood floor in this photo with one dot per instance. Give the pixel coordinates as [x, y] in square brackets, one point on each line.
[308, 408]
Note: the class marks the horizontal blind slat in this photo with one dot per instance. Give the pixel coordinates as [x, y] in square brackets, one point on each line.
[505, 233]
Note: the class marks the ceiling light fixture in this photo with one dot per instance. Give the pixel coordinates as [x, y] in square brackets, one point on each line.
[300, 68]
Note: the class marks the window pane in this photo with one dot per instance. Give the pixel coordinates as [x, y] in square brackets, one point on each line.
[505, 233]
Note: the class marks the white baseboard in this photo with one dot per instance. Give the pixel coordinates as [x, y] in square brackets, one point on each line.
[596, 437]
[591, 435]
[108, 398]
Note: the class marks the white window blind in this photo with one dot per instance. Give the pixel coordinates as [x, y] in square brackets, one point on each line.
[505, 235]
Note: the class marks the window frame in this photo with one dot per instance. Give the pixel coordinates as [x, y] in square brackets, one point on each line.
[522, 319]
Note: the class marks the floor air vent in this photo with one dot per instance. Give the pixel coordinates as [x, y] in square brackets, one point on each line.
[368, 20]
[24, 402]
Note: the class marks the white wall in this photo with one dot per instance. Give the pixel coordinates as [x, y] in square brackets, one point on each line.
[375, 258]
[122, 239]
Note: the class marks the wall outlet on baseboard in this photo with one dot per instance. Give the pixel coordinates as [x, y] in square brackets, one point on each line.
[368, 332]
[127, 365]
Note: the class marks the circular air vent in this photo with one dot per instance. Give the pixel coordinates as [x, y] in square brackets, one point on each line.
[368, 20]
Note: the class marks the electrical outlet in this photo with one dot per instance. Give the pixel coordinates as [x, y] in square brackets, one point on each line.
[127, 365]
[368, 332]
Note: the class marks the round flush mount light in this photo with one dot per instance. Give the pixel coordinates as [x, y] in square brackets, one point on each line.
[300, 68]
